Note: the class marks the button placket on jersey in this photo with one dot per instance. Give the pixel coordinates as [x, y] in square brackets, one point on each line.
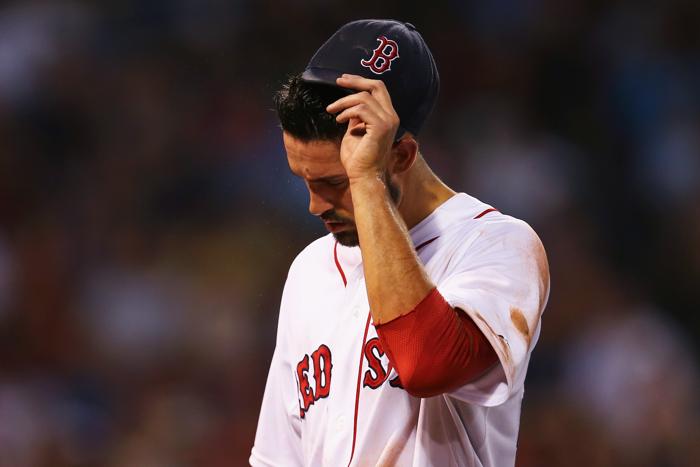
[357, 302]
[356, 308]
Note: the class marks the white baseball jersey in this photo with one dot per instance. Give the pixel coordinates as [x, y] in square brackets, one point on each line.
[332, 397]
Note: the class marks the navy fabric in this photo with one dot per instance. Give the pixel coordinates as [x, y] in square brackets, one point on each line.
[411, 78]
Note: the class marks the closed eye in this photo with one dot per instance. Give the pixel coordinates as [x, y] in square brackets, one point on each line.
[332, 182]
[337, 182]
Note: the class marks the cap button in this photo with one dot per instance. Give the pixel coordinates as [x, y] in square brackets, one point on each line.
[410, 26]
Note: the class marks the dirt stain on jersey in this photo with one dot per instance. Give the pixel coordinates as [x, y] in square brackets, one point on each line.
[520, 323]
[543, 271]
[502, 340]
[506, 361]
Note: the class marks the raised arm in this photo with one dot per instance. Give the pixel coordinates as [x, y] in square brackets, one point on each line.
[408, 311]
[370, 156]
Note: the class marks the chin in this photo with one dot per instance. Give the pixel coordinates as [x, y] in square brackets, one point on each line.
[347, 238]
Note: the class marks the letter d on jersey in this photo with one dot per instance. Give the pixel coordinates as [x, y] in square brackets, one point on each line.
[322, 366]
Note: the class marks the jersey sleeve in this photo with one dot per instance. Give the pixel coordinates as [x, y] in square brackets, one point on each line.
[278, 436]
[499, 277]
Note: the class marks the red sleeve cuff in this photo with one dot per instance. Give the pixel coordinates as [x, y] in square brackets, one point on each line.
[435, 348]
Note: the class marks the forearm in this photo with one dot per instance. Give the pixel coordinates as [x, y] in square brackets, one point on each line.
[395, 278]
[433, 347]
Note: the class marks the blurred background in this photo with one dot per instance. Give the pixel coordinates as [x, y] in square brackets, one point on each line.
[148, 218]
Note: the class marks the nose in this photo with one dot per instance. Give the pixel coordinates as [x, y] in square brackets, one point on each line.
[318, 204]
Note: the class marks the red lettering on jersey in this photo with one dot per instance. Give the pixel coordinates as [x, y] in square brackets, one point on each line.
[395, 382]
[322, 371]
[386, 52]
[307, 393]
[375, 374]
[322, 365]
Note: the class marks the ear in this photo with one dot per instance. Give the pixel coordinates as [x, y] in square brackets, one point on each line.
[403, 154]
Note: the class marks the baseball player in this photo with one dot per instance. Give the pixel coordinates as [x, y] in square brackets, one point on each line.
[405, 333]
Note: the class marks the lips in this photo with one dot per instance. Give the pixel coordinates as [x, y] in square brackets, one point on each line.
[334, 226]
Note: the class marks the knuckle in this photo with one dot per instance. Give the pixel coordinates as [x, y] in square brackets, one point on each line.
[385, 126]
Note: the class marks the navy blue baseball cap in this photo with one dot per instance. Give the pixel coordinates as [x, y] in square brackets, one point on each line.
[389, 50]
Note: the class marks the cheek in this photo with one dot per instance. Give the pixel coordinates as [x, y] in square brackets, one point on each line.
[346, 202]
[340, 198]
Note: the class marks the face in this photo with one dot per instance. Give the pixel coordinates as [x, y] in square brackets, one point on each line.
[318, 164]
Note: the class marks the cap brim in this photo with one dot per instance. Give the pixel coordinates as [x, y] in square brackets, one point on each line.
[328, 76]
[321, 75]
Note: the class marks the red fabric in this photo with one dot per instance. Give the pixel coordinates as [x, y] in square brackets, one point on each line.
[435, 348]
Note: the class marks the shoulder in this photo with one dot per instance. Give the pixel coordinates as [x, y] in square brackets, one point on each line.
[470, 224]
[463, 215]
[316, 255]
[305, 275]
[511, 247]
[501, 227]
[494, 241]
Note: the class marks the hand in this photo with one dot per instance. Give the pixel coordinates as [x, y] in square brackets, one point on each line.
[372, 124]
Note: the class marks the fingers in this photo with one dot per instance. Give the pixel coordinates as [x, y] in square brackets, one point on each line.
[374, 87]
[369, 116]
[360, 98]
[371, 105]
[357, 112]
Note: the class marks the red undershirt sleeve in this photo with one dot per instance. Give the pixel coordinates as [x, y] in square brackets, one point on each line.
[435, 348]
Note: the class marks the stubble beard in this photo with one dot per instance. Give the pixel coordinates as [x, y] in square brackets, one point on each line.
[350, 237]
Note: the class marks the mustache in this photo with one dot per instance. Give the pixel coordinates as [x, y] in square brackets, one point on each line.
[332, 216]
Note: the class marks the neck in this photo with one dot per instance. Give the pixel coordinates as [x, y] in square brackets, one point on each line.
[423, 193]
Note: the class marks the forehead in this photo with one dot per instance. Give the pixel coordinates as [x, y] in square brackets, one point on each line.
[313, 159]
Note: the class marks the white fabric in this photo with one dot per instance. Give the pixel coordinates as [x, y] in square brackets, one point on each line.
[493, 268]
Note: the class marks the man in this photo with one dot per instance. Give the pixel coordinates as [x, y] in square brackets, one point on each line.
[410, 350]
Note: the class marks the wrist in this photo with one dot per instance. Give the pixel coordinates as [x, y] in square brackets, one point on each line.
[367, 179]
[369, 183]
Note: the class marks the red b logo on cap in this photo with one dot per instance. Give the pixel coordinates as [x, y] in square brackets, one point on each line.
[386, 52]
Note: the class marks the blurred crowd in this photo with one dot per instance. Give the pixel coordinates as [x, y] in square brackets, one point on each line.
[148, 218]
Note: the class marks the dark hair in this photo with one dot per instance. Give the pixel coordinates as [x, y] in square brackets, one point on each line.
[301, 109]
